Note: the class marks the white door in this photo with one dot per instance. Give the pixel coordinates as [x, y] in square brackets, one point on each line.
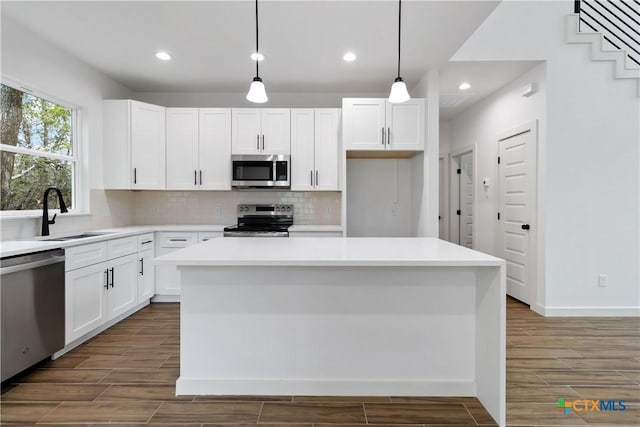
[517, 172]
[123, 289]
[148, 146]
[276, 131]
[214, 171]
[405, 125]
[364, 123]
[302, 149]
[182, 148]
[146, 276]
[85, 300]
[327, 148]
[245, 135]
[466, 200]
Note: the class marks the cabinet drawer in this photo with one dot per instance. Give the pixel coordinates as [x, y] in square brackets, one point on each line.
[81, 256]
[177, 240]
[145, 241]
[121, 247]
[208, 235]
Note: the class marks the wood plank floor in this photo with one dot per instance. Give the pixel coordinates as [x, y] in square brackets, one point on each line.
[127, 374]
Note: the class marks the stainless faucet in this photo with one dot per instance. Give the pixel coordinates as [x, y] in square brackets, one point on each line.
[45, 209]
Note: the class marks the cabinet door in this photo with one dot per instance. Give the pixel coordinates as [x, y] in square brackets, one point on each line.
[85, 300]
[168, 282]
[123, 289]
[364, 123]
[182, 148]
[405, 123]
[276, 131]
[148, 146]
[146, 276]
[245, 125]
[302, 149]
[327, 148]
[214, 171]
[116, 125]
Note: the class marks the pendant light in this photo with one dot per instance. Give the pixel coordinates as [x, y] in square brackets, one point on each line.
[399, 89]
[257, 93]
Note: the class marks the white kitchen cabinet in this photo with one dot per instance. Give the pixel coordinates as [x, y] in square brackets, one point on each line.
[198, 148]
[146, 275]
[167, 276]
[315, 143]
[134, 137]
[85, 300]
[261, 131]
[376, 124]
[204, 236]
[123, 288]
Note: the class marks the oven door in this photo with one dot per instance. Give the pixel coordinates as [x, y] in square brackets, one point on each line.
[260, 171]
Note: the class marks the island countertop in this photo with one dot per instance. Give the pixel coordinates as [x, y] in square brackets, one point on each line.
[328, 251]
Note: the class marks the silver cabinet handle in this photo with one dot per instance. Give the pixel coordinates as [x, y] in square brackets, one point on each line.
[262, 142]
[317, 182]
[389, 136]
[258, 142]
[311, 177]
[382, 130]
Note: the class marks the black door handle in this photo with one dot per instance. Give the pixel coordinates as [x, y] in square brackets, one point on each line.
[525, 226]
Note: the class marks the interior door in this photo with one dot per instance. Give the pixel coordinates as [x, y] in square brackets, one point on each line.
[466, 200]
[182, 148]
[442, 209]
[516, 200]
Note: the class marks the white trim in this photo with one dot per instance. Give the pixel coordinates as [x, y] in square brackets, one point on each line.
[36, 153]
[165, 298]
[311, 387]
[26, 214]
[446, 161]
[454, 163]
[590, 311]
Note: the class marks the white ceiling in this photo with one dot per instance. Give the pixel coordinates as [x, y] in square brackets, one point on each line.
[485, 78]
[210, 41]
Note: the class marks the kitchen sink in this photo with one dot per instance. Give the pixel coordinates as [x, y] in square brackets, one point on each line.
[74, 237]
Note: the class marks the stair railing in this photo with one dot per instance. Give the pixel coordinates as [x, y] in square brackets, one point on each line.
[617, 20]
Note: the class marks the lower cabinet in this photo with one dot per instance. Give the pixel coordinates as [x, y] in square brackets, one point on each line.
[168, 277]
[98, 293]
[146, 276]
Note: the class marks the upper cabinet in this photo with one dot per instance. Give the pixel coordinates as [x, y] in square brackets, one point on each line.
[134, 141]
[198, 148]
[261, 131]
[315, 148]
[377, 124]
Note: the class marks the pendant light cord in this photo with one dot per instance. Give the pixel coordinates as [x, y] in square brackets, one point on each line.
[399, 31]
[257, 49]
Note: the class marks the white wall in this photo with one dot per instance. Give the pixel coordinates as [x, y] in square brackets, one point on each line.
[42, 67]
[589, 181]
[379, 198]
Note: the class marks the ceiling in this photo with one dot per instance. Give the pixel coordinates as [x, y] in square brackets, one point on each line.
[485, 78]
[210, 41]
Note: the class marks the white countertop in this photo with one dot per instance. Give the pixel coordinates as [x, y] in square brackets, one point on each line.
[327, 251]
[314, 228]
[20, 247]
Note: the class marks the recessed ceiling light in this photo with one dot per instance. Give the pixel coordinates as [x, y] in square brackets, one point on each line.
[257, 56]
[349, 57]
[164, 56]
[464, 86]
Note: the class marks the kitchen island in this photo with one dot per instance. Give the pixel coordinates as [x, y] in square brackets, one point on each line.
[342, 316]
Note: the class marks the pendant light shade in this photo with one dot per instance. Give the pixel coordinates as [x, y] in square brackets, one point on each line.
[399, 91]
[257, 92]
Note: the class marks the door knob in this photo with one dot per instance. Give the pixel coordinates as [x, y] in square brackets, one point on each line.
[525, 226]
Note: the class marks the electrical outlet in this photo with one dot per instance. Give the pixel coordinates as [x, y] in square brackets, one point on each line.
[217, 211]
[603, 280]
[106, 212]
[152, 211]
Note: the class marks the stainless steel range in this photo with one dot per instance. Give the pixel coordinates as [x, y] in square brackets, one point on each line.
[262, 221]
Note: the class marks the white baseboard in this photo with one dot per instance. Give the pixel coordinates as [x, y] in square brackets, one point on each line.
[290, 387]
[165, 298]
[589, 311]
[73, 344]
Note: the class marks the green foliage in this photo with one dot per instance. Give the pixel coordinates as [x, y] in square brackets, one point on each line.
[45, 127]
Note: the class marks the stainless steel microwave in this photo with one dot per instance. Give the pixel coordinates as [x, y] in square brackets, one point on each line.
[261, 171]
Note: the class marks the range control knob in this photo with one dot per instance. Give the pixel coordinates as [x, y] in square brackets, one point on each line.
[288, 208]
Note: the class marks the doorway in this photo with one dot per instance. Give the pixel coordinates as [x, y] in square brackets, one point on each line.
[517, 225]
[462, 229]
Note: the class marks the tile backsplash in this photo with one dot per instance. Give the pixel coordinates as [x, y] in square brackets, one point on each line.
[219, 207]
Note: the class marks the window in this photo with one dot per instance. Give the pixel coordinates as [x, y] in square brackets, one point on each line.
[36, 150]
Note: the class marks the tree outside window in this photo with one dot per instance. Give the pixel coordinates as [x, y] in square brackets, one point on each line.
[36, 149]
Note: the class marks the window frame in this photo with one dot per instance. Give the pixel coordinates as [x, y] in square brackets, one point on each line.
[77, 203]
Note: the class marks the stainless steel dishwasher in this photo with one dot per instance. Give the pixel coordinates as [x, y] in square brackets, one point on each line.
[32, 304]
